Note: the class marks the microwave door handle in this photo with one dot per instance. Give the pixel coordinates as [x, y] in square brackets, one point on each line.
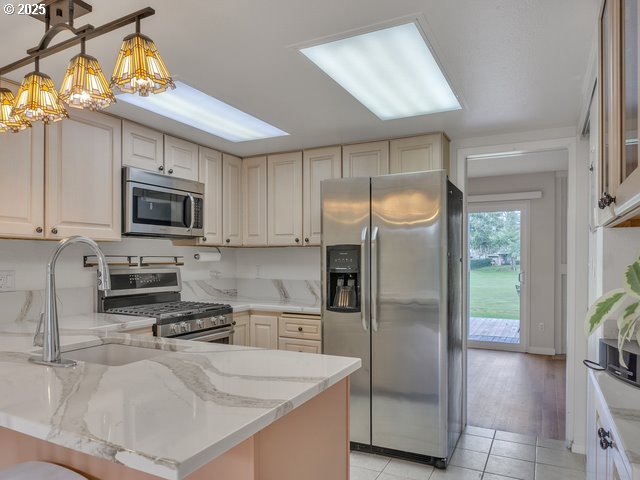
[193, 211]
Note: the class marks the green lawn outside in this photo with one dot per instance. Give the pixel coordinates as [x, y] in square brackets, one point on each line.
[493, 293]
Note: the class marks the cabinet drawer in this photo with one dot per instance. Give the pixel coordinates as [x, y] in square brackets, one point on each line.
[299, 345]
[300, 327]
[146, 331]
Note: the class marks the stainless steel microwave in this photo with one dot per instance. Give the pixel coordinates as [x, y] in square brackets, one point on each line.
[161, 206]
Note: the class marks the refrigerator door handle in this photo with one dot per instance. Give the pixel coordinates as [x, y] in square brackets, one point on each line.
[374, 279]
[364, 288]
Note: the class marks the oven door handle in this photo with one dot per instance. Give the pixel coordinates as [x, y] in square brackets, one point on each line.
[193, 211]
[214, 336]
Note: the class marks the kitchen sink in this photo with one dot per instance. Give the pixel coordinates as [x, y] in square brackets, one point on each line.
[113, 354]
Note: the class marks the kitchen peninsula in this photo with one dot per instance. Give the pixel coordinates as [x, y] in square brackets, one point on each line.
[191, 410]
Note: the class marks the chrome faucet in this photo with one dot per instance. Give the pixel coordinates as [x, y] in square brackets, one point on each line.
[51, 336]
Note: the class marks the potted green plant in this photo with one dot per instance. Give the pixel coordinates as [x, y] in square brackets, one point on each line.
[612, 303]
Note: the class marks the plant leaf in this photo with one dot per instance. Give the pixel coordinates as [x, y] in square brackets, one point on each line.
[632, 279]
[626, 327]
[606, 304]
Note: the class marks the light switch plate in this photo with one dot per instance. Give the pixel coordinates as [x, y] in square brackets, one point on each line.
[7, 280]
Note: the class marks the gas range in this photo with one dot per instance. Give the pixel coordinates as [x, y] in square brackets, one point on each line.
[155, 293]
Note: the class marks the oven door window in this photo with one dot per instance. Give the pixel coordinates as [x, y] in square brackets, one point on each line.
[224, 336]
[154, 207]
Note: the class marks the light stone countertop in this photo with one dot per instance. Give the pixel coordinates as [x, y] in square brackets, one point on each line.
[623, 402]
[166, 416]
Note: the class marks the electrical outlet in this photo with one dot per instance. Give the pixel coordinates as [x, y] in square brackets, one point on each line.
[541, 327]
[7, 280]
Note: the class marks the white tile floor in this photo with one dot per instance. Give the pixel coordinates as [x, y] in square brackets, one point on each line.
[482, 454]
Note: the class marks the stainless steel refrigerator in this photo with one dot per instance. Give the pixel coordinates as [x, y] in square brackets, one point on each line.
[392, 275]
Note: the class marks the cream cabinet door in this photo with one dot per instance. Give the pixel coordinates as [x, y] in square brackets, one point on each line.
[231, 200]
[210, 173]
[298, 345]
[84, 154]
[317, 165]
[22, 183]
[180, 158]
[417, 154]
[142, 147]
[284, 202]
[365, 159]
[254, 201]
[241, 334]
[264, 331]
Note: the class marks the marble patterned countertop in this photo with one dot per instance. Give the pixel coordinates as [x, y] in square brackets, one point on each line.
[624, 405]
[167, 415]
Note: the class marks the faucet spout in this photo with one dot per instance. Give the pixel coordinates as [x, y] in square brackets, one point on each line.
[51, 334]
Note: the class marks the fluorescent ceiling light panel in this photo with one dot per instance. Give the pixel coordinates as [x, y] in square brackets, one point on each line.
[392, 72]
[192, 107]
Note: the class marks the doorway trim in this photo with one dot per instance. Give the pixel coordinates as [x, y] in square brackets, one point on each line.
[577, 257]
[524, 206]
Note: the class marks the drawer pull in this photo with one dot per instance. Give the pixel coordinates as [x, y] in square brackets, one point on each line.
[299, 329]
[602, 433]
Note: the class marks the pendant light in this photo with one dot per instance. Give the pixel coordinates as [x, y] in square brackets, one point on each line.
[139, 67]
[37, 99]
[84, 84]
[8, 122]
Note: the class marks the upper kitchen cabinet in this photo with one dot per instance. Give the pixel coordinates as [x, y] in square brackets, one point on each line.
[145, 148]
[254, 201]
[317, 165]
[365, 159]
[180, 158]
[284, 213]
[210, 173]
[84, 154]
[417, 154]
[22, 183]
[231, 200]
[618, 173]
[142, 147]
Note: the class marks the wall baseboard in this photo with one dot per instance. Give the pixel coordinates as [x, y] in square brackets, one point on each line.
[541, 350]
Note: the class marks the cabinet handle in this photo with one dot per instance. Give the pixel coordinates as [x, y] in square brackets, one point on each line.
[228, 240]
[204, 239]
[297, 240]
[299, 329]
[233, 323]
[54, 230]
[602, 433]
[604, 444]
[306, 239]
[161, 167]
[39, 230]
[170, 171]
[605, 201]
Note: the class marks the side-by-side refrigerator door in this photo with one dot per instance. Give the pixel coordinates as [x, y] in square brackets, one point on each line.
[408, 313]
[345, 289]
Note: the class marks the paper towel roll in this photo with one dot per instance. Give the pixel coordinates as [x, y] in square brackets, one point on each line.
[207, 256]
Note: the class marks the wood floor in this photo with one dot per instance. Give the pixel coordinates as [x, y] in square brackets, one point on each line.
[516, 392]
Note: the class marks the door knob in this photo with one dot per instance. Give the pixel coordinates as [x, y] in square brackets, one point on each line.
[161, 167]
[54, 230]
[39, 230]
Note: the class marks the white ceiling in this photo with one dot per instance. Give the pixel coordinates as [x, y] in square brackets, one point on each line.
[533, 162]
[517, 64]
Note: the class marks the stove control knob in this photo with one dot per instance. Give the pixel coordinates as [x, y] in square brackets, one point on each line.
[184, 327]
[222, 320]
[200, 323]
[174, 328]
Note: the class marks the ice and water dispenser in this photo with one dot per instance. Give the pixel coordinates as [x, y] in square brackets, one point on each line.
[343, 278]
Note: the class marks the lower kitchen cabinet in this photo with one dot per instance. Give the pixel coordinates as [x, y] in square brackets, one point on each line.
[605, 461]
[300, 333]
[241, 329]
[263, 331]
[82, 183]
